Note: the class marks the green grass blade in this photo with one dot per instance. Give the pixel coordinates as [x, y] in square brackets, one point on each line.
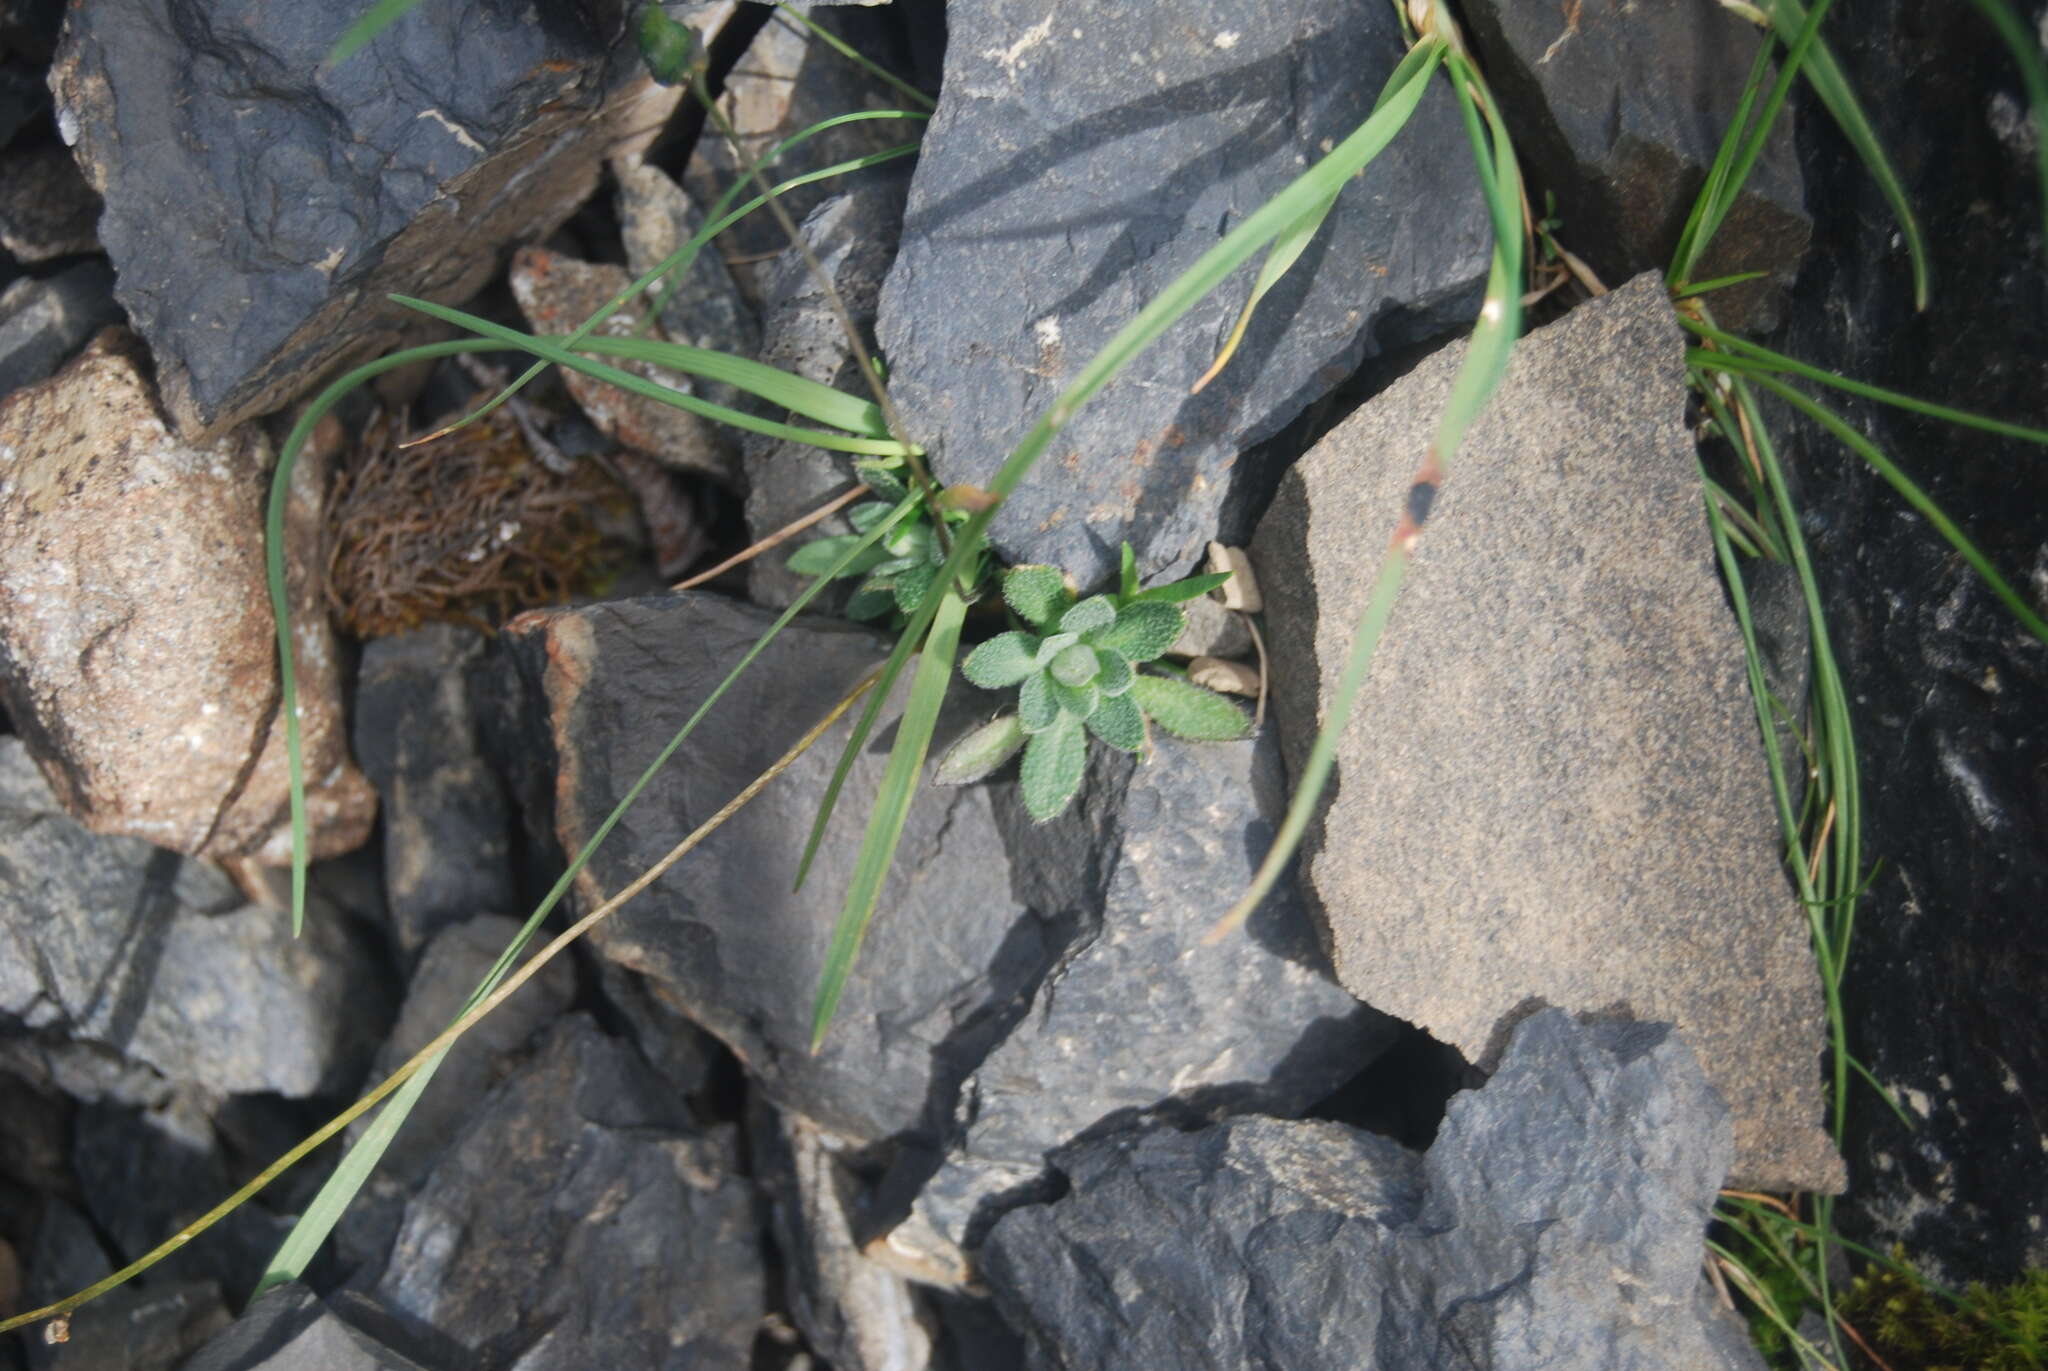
[1739, 354]
[1824, 74]
[1722, 282]
[1486, 359]
[312, 1229]
[1914, 496]
[1803, 45]
[892, 803]
[1715, 196]
[364, 31]
[851, 54]
[677, 263]
[1883, 1094]
[552, 351]
[2026, 55]
[812, 399]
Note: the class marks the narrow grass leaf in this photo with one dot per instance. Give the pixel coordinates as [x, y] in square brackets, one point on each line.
[551, 350]
[892, 804]
[811, 399]
[851, 54]
[364, 31]
[1914, 496]
[1739, 354]
[1178, 592]
[1824, 74]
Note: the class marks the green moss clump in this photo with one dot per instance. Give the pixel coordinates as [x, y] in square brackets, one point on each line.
[1915, 1329]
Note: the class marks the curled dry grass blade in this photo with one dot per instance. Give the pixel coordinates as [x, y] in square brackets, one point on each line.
[434, 1050]
[1486, 359]
[1405, 89]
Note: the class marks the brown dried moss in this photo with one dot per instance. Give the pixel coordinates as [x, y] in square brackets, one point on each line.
[470, 527]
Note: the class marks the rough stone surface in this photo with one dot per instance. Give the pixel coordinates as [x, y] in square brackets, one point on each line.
[581, 1220]
[1212, 631]
[46, 208]
[447, 820]
[1948, 693]
[449, 970]
[656, 217]
[23, 96]
[44, 320]
[137, 1327]
[1619, 109]
[722, 934]
[1556, 1221]
[1140, 1020]
[291, 1329]
[853, 1311]
[1075, 167]
[113, 941]
[262, 202]
[137, 652]
[1552, 790]
[852, 236]
[557, 294]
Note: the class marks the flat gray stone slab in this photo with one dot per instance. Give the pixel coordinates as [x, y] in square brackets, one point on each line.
[1553, 791]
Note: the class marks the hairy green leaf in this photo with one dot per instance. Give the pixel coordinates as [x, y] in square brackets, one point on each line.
[981, 752]
[1189, 711]
[1054, 762]
[1143, 631]
[1113, 674]
[1037, 593]
[1097, 611]
[1118, 722]
[1079, 701]
[1037, 710]
[1075, 667]
[1003, 660]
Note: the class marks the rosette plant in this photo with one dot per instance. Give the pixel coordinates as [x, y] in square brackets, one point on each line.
[1075, 666]
[897, 571]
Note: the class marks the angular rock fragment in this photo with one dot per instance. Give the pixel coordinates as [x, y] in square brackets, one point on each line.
[1620, 110]
[44, 320]
[46, 208]
[1212, 631]
[1079, 163]
[853, 1311]
[1552, 790]
[261, 201]
[449, 970]
[557, 294]
[722, 935]
[1558, 1220]
[851, 236]
[705, 308]
[447, 821]
[115, 942]
[140, 657]
[291, 1329]
[1141, 1020]
[582, 1221]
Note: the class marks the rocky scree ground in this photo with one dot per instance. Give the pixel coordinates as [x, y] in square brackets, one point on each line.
[1050, 1128]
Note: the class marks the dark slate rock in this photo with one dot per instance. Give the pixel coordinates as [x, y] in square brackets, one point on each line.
[44, 320]
[261, 202]
[853, 1311]
[112, 941]
[1557, 1220]
[23, 95]
[145, 1174]
[1619, 109]
[449, 970]
[722, 933]
[1076, 165]
[582, 1221]
[1142, 1022]
[30, 26]
[144, 1326]
[706, 308]
[291, 1329]
[684, 1054]
[46, 208]
[447, 822]
[852, 236]
[1948, 692]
